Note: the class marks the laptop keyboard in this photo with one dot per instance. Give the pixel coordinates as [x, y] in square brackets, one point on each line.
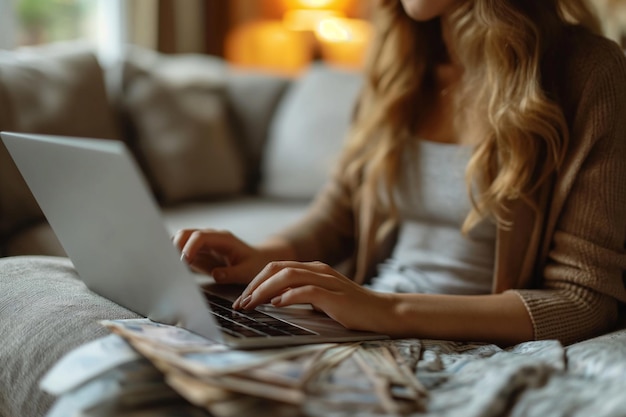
[243, 324]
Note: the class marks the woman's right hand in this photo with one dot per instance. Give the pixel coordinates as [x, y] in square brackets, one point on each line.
[220, 254]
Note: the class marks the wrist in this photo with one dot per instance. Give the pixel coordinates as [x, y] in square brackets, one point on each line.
[404, 315]
[388, 317]
[277, 249]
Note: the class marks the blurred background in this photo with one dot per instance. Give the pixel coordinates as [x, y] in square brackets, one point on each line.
[277, 35]
[281, 36]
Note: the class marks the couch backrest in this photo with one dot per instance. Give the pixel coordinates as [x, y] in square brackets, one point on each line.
[202, 129]
[196, 128]
[199, 129]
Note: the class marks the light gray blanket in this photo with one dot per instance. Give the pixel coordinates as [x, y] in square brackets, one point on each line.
[531, 379]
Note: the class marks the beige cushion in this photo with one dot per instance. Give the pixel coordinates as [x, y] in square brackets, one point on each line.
[58, 89]
[308, 132]
[176, 107]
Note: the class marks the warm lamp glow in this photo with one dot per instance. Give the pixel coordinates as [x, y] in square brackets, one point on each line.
[343, 41]
[337, 5]
[317, 4]
[333, 31]
[269, 45]
[307, 20]
[310, 29]
[343, 30]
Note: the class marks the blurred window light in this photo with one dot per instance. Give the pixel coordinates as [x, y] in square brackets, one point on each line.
[111, 35]
[7, 25]
[36, 22]
[45, 21]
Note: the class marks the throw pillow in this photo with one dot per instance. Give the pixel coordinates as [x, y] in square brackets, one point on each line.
[308, 132]
[176, 105]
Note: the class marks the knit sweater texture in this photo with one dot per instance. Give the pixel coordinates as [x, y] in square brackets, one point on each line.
[565, 261]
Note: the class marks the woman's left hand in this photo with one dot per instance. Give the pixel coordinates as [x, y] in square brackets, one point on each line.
[315, 283]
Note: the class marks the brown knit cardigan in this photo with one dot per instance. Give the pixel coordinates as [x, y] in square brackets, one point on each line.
[567, 261]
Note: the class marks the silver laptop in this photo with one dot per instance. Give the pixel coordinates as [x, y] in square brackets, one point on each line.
[100, 207]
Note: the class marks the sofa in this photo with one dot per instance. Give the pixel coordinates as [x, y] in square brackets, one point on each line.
[220, 147]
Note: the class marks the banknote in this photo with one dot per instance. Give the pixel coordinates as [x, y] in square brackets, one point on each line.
[208, 391]
[150, 369]
[221, 362]
[178, 409]
[377, 359]
[173, 337]
[253, 406]
[368, 375]
[130, 383]
[292, 372]
[197, 392]
[396, 389]
[319, 376]
[86, 362]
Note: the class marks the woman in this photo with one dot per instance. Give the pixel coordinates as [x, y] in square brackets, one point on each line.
[529, 245]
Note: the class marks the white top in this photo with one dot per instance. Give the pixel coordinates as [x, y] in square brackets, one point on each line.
[432, 255]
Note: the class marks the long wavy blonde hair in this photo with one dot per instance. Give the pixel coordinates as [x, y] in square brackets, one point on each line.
[521, 130]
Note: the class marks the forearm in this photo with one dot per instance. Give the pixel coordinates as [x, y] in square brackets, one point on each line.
[277, 249]
[498, 318]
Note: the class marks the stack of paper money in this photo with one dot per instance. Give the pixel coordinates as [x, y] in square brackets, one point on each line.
[312, 380]
[108, 378]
